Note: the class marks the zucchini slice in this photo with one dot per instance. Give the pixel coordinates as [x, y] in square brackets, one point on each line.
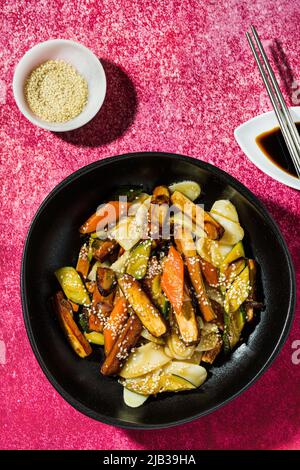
[252, 293]
[152, 283]
[236, 253]
[143, 360]
[127, 233]
[229, 274]
[138, 260]
[238, 291]
[190, 189]
[146, 335]
[193, 373]
[133, 399]
[120, 265]
[233, 231]
[225, 208]
[233, 326]
[157, 382]
[95, 337]
[72, 285]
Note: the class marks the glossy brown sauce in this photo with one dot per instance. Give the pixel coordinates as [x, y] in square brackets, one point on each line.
[274, 147]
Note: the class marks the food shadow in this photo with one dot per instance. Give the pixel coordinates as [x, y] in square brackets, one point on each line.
[283, 67]
[115, 116]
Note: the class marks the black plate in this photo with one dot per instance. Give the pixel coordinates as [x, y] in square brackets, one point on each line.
[53, 242]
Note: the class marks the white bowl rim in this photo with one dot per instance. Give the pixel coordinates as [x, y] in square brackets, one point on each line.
[265, 164]
[68, 125]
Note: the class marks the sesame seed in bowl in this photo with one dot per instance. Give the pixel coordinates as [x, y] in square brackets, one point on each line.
[55, 91]
[59, 85]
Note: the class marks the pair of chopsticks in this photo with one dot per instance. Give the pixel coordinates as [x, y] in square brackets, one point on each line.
[286, 123]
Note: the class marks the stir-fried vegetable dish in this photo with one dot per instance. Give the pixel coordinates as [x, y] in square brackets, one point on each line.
[162, 285]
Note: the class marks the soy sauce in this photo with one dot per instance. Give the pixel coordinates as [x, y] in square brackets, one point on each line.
[274, 147]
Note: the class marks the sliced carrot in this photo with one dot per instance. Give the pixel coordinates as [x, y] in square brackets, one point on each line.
[194, 269]
[186, 245]
[75, 337]
[210, 272]
[172, 280]
[109, 213]
[115, 324]
[97, 297]
[121, 251]
[158, 210]
[75, 307]
[122, 347]
[118, 294]
[83, 264]
[187, 320]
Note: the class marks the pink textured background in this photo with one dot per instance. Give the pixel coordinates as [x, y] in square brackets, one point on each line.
[180, 79]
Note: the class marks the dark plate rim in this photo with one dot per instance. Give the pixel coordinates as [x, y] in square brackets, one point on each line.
[216, 172]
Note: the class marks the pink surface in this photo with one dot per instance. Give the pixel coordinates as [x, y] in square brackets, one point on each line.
[180, 79]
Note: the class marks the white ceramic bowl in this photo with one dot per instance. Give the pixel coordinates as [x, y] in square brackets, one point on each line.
[85, 62]
[245, 136]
